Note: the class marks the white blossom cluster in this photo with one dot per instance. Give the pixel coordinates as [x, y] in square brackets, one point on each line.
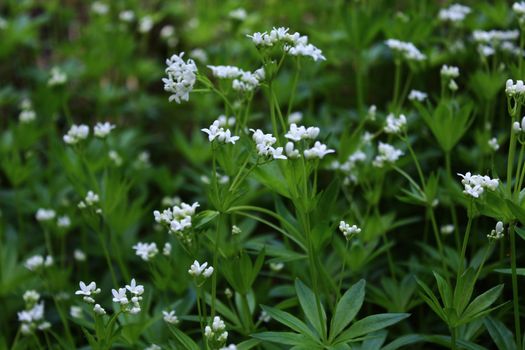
[129, 304]
[197, 270]
[347, 230]
[493, 144]
[446, 229]
[126, 16]
[475, 185]
[99, 8]
[216, 333]
[395, 125]
[518, 127]
[497, 232]
[37, 262]
[58, 77]
[32, 317]
[170, 317]
[88, 291]
[43, 214]
[349, 165]
[515, 89]
[264, 145]
[181, 77]
[76, 134]
[301, 133]
[102, 130]
[293, 44]
[407, 50]
[416, 95]
[239, 14]
[448, 73]
[27, 115]
[519, 10]
[90, 200]
[146, 251]
[491, 41]
[217, 132]
[455, 13]
[241, 80]
[177, 219]
[146, 24]
[386, 154]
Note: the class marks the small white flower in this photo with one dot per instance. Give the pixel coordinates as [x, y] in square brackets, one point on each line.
[497, 232]
[145, 24]
[181, 78]
[38, 261]
[449, 72]
[493, 144]
[126, 16]
[196, 269]
[319, 150]
[395, 125]
[276, 266]
[455, 13]
[216, 132]
[146, 251]
[406, 49]
[63, 221]
[31, 297]
[416, 95]
[170, 317]
[88, 291]
[99, 8]
[446, 229]
[75, 311]
[475, 185]
[386, 154]
[76, 134]
[347, 230]
[166, 250]
[103, 129]
[79, 255]
[119, 296]
[134, 288]
[295, 117]
[238, 14]
[99, 310]
[290, 151]
[58, 77]
[45, 214]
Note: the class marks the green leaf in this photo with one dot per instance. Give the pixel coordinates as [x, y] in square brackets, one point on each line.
[501, 335]
[520, 231]
[482, 302]
[347, 308]
[308, 303]
[519, 271]
[287, 338]
[248, 344]
[444, 290]
[370, 324]
[185, 341]
[463, 290]
[430, 298]
[290, 321]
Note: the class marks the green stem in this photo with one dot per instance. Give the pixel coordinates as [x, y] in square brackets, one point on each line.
[437, 236]
[465, 240]
[453, 338]
[108, 259]
[397, 81]
[215, 266]
[294, 87]
[340, 284]
[452, 206]
[515, 294]
[510, 160]
[519, 169]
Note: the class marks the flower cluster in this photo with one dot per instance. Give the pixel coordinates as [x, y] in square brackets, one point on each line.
[241, 80]
[170, 317]
[347, 230]
[301, 133]
[293, 44]
[386, 154]
[76, 134]
[395, 125]
[519, 10]
[177, 219]
[181, 77]
[146, 251]
[90, 200]
[216, 334]
[515, 89]
[88, 291]
[518, 127]
[197, 270]
[58, 77]
[132, 304]
[491, 41]
[103, 129]
[27, 114]
[217, 132]
[416, 95]
[497, 232]
[264, 145]
[349, 165]
[407, 50]
[455, 13]
[475, 185]
[493, 144]
[37, 262]
[32, 318]
[45, 214]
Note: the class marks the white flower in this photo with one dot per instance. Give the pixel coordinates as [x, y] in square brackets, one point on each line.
[103, 129]
[181, 78]
[497, 232]
[153, 347]
[452, 85]
[407, 50]
[79, 255]
[395, 125]
[75, 311]
[297, 133]
[215, 131]
[88, 291]
[31, 297]
[196, 269]
[319, 150]
[76, 133]
[91, 198]
[513, 89]
[263, 144]
[119, 296]
[63, 221]
[27, 116]
[449, 71]
[416, 95]
[167, 31]
[58, 77]
[135, 288]
[166, 250]
[295, 117]
[475, 185]
[290, 151]
[238, 14]
[276, 266]
[99, 310]
[386, 154]
[38, 261]
[145, 24]
[454, 13]
[126, 16]
[99, 8]
[242, 80]
[446, 229]
[146, 251]
[493, 144]
[45, 214]
[170, 317]
[347, 230]
[229, 347]
[199, 55]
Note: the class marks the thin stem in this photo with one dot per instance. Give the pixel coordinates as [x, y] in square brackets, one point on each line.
[515, 294]
[519, 169]
[108, 259]
[465, 240]
[340, 284]
[453, 338]
[215, 266]
[397, 81]
[510, 160]
[437, 236]
[294, 86]
[452, 206]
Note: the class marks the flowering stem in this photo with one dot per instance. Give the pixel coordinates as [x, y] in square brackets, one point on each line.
[465, 240]
[215, 260]
[452, 206]
[453, 338]
[515, 300]
[47, 238]
[199, 311]
[519, 170]
[108, 259]
[510, 159]
[272, 111]
[340, 284]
